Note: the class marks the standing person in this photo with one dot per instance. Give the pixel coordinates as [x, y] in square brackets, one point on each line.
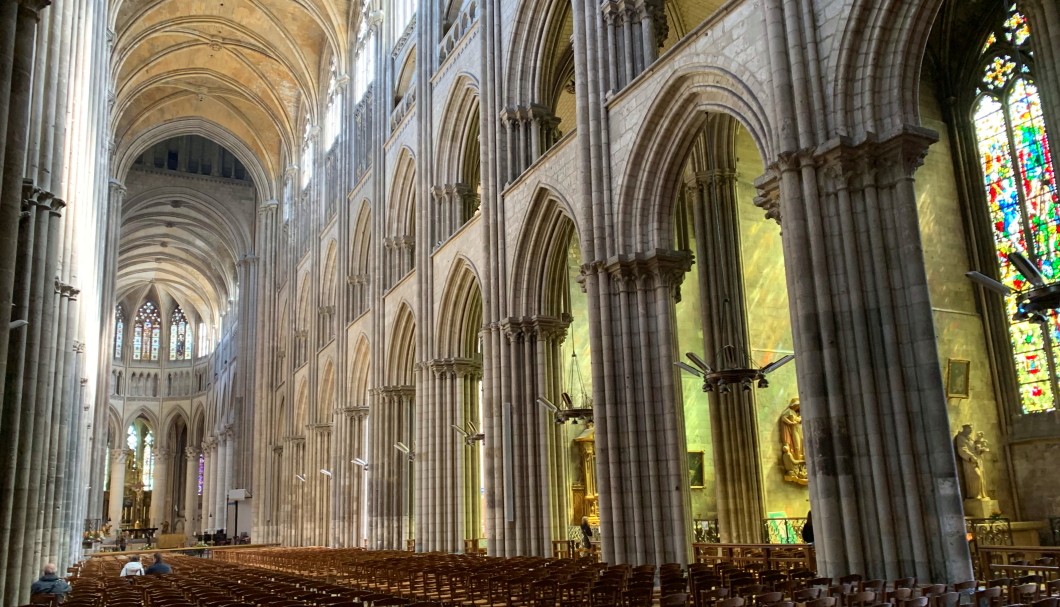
[158, 567]
[587, 534]
[807, 529]
[50, 583]
[133, 567]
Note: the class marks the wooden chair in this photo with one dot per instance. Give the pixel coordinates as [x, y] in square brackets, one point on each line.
[989, 597]
[828, 601]
[806, 595]
[1049, 601]
[44, 599]
[1026, 592]
[677, 599]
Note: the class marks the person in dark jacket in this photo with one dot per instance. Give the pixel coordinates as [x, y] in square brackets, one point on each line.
[587, 534]
[158, 567]
[50, 583]
[807, 529]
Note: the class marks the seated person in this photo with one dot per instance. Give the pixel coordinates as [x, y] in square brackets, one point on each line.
[133, 567]
[159, 567]
[50, 583]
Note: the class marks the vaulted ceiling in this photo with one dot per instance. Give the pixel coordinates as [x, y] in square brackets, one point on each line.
[246, 67]
[242, 73]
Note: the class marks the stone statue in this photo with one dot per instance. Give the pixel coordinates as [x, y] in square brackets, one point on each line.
[165, 527]
[794, 469]
[970, 453]
[793, 457]
[791, 429]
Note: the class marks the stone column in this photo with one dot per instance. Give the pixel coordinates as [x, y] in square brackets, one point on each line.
[883, 481]
[733, 417]
[118, 457]
[160, 488]
[640, 442]
[191, 491]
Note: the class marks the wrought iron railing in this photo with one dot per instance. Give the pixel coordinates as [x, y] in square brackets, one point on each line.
[994, 531]
[705, 531]
[783, 530]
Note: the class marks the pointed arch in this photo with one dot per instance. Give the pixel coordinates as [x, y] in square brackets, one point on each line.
[401, 360]
[540, 288]
[461, 312]
[301, 409]
[359, 262]
[326, 394]
[329, 292]
[360, 373]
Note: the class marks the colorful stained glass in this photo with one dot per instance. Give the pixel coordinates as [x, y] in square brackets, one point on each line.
[148, 328]
[1017, 30]
[119, 330]
[997, 72]
[990, 40]
[179, 336]
[202, 471]
[1020, 185]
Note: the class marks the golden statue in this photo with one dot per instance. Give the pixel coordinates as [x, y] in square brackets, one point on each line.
[793, 455]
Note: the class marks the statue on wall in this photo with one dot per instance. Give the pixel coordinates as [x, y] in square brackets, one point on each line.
[793, 457]
[970, 451]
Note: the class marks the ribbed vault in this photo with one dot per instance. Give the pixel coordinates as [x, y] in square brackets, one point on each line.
[253, 67]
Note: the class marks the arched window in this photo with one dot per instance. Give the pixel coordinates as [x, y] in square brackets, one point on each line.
[204, 341]
[202, 472]
[1020, 189]
[119, 330]
[147, 332]
[180, 336]
[141, 442]
[364, 61]
[308, 150]
[333, 115]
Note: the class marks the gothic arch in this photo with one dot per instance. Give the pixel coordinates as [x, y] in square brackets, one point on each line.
[141, 411]
[360, 372]
[461, 312]
[402, 215]
[301, 410]
[263, 173]
[877, 90]
[540, 288]
[528, 80]
[326, 395]
[644, 206]
[172, 424]
[459, 128]
[401, 359]
[359, 261]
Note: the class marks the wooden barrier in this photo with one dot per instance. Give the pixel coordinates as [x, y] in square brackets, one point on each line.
[770, 556]
[1005, 561]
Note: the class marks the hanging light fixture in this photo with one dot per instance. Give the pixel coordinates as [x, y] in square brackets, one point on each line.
[734, 369]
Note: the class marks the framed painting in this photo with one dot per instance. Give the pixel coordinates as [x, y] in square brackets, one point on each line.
[957, 372]
[695, 469]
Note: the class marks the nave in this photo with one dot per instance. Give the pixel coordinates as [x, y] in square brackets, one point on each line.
[322, 577]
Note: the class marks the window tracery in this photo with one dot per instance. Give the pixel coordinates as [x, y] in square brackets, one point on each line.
[119, 330]
[1019, 181]
[147, 333]
[180, 336]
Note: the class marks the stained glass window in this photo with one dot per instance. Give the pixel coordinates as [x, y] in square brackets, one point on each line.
[180, 336]
[1020, 186]
[141, 442]
[202, 470]
[119, 330]
[147, 333]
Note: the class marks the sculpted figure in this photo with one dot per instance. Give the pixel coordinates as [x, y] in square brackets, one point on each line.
[791, 429]
[969, 453]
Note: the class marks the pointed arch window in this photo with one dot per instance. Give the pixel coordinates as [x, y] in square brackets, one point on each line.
[119, 330]
[1019, 181]
[141, 442]
[364, 60]
[333, 115]
[147, 332]
[180, 336]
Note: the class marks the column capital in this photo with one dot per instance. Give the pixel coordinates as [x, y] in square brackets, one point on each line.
[34, 7]
[119, 456]
[191, 453]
